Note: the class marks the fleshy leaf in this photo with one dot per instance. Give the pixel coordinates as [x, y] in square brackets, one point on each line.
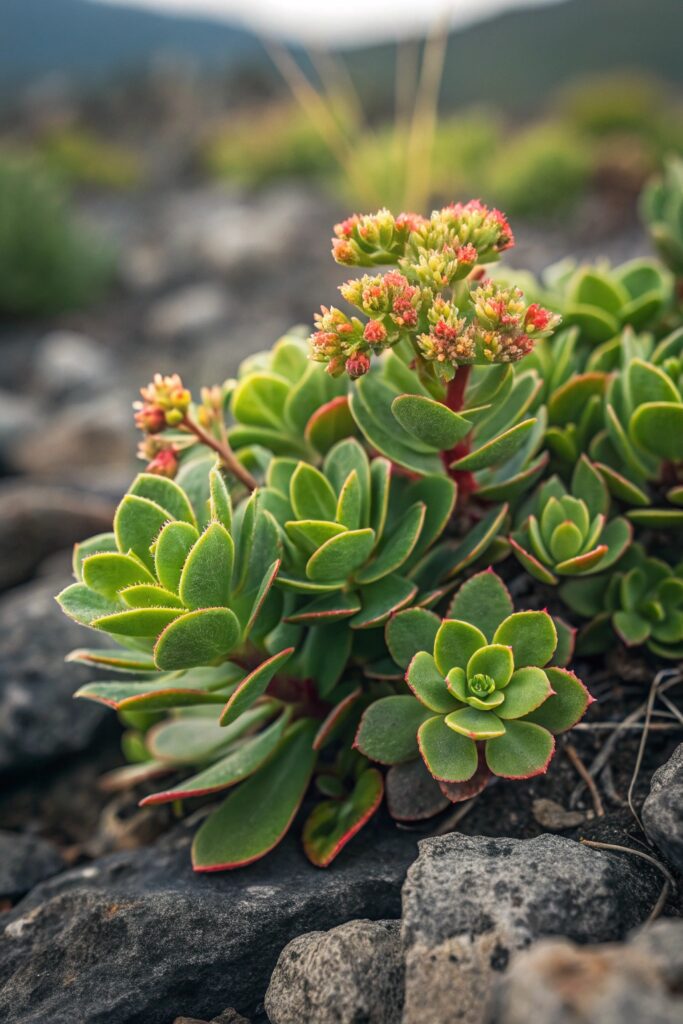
[331, 824]
[430, 421]
[148, 622]
[495, 661]
[428, 684]
[449, 756]
[109, 573]
[236, 766]
[198, 638]
[84, 605]
[165, 493]
[525, 750]
[254, 686]
[194, 739]
[411, 631]
[137, 524]
[382, 599]
[455, 643]
[388, 729]
[566, 706]
[256, 816]
[484, 601]
[531, 635]
[171, 550]
[497, 450]
[478, 725]
[397, 546]
[528, 689]
[341, 556]
[311, 494]
[207, 573]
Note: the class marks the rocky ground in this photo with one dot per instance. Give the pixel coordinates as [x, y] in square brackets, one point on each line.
[103, 918]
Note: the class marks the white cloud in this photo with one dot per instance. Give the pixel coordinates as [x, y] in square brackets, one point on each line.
[337, 21]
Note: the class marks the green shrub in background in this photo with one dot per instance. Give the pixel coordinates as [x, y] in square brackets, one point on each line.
[82, 158]
[276, 142]
[463, 145]
[47, 262]
[543, 169]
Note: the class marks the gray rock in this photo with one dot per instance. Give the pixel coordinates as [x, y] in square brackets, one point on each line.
[18, 413]
[663, 809]
[352, 974]
[558, 982]
[66, 362]
[37, 521]
[468, 903]
[39, 719]
[189, 311]
[138, 938]
[94, 433]
[24, 861]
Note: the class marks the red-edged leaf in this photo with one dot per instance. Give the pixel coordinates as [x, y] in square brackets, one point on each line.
[254, 686]
[333, 823]
[337, 715]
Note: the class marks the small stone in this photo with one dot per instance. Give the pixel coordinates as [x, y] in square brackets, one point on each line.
[663, 809]
[553, 816]
[412, 793]
[558, 982]
[470, 902]
[349, 974]
[125, 938]
[37, 521]
[24, 861]
[189, 311]
[229, 1016]
[66, 362]
[39, 719]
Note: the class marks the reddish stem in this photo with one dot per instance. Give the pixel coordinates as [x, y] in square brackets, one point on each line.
[455, 392]
[455, 400]
[224, 451]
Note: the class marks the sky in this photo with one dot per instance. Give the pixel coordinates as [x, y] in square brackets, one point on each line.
[347, 21]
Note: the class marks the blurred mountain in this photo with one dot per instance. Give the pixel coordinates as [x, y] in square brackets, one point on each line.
[512, 60]
[88, 40]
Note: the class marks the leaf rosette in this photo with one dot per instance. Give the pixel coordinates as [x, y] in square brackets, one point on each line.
[482, 680]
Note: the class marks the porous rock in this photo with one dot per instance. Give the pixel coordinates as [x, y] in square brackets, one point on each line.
[39, 719]
[352, 974]
[469, 902]
[663, 809]
[138, 938]
[559, 982]
[25, 860]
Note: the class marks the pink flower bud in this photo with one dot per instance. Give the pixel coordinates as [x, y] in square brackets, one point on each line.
[357, 366]
[375, 332]
[164, 463]
[537, 318]
[150, 418]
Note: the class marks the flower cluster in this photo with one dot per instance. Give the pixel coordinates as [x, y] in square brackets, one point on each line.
[340, 342]
[373, 239]
[461, 227]
[162, 457]
[165, 402]
[390, 299]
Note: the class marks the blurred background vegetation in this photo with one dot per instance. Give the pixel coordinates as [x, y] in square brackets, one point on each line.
[538, 111]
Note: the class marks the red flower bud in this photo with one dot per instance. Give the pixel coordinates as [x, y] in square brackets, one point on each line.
[375, 332]
[150, 418]
[164, 463]
[357, 366]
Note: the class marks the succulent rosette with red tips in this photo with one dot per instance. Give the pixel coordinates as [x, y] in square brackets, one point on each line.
[481, 679]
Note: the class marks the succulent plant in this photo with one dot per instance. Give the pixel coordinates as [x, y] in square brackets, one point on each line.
[353, 532]
[601, 300]
[662, 209]
[477, 678]
[567, 532]
[642, 602]
[187, 598]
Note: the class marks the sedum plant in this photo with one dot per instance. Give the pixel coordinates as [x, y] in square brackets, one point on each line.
[480, 688]
[278, 584]
[567, 532]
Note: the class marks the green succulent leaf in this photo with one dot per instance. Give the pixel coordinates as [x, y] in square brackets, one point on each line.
[388, 729]
[477, 724]
[455, 643]
[484, 601]
[449, 756]
[200, 637]
[658, 427]
[197, 738]
[397, 547]
[531, 635]
[311, 494]
[234, 767]
[206, 578]
[138, 622]
[170, 552]
[430, 421]
[429, 685]
[333, 823]
[525, 750]
[253, 686]
[165, 493]
[220, 503]
[495, 661]
[256, 815]
[566, 706]
[529, 688]
[108, 573]
[382, 599]
[411, 631]
[137, 524]
[499, 449]
[340, 556]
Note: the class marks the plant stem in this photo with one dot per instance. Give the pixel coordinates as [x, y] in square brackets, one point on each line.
[224, 452]
[455, 392]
